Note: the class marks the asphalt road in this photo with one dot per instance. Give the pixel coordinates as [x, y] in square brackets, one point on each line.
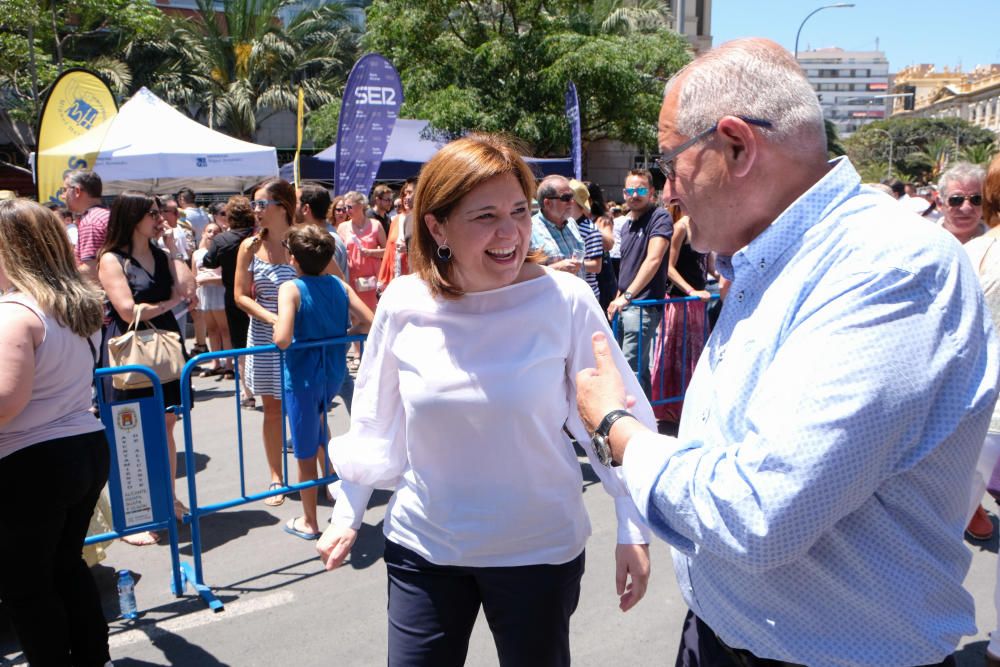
[282, 607]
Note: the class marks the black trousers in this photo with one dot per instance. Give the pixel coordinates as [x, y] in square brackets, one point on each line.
[50, 491]
[432, 609]
[701, 647]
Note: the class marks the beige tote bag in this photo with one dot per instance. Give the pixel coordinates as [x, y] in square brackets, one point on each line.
[159, 349]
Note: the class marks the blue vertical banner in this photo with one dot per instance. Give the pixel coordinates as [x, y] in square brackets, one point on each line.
[573, 116]
[368, 112]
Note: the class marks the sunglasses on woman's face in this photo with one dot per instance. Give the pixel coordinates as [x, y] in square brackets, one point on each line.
[261, 204]
[340, 210]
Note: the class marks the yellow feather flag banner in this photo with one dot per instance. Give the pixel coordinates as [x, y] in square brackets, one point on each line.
[78, 103]
[298, 138]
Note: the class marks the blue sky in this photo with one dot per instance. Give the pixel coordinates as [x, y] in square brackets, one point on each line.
[945, 33]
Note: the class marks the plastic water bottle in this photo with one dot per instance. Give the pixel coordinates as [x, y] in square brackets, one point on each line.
[126, 594]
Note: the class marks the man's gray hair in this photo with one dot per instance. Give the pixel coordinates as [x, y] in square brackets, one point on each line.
[753, 78]
[547, 188]
[86, 180]
[960, 172]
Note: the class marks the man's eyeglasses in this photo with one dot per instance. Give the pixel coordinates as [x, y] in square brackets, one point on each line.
[261, 204]
[565, 198]
[632, 192]
[665, 162]
[957, 200]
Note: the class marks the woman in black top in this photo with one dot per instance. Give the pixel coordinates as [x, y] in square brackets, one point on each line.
[222, 253]
[133, 270]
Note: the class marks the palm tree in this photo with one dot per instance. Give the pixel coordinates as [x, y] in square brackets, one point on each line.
[934, 157]
[620, 17]
[979, 154]
[254, 63]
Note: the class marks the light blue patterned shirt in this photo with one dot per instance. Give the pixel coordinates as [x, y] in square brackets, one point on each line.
[817, 491]
[557, 243]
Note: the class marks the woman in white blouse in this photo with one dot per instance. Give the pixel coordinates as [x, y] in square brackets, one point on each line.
[466, 384]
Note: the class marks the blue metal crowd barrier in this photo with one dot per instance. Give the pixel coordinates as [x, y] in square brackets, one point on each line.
[139, 481]
[195, 575]
[643, 304]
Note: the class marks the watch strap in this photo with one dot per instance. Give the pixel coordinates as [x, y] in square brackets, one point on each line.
[604, 428]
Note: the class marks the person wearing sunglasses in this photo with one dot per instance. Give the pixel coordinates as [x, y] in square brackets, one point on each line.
[961, 192]
[381, 206]
[261, 268]
[554, 233]
[642, 272]
[818, 487]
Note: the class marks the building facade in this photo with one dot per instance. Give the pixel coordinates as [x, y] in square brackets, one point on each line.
[851, 85]
[973, 96]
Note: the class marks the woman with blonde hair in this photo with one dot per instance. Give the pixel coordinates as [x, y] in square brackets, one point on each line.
[467, 383]
[54, 458]
[365, 241]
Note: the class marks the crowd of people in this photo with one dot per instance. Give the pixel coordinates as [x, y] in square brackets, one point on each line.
[835, 440]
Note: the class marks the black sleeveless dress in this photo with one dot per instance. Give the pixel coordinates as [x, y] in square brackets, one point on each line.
[147, 288]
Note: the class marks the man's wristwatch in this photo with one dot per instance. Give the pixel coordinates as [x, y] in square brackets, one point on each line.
[600, 436]
[627, 296]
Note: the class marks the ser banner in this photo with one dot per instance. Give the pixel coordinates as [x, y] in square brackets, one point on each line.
[573, 116]
[372, 98]
[78, 103]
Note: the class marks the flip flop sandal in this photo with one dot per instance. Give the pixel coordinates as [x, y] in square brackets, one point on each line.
[274, 501]
[289, 528]
[144, 539]
[249, 403]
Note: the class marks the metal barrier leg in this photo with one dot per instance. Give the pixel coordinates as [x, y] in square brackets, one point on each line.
[194, 577]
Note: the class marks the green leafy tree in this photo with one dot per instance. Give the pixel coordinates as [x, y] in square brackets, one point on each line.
[980, 154]
[834, 147]
[503, 65]
[921, 147]
[41, 38]
[321, 124]
[255, 63]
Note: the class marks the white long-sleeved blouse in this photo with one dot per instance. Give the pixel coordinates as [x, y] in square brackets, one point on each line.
[459, 407]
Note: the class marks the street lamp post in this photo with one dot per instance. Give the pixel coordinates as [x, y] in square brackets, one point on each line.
[888, 134]
[838, 5]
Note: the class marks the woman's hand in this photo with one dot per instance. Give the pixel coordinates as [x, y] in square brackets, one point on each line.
[334, 545]
[631, 573]
[704, 295]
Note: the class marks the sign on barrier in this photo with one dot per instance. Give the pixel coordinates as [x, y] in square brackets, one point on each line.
[139, 481]
[136, 475]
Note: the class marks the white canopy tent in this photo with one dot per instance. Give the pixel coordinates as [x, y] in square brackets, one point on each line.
[152, 147]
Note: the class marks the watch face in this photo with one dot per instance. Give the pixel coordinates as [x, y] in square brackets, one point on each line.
[601, 449]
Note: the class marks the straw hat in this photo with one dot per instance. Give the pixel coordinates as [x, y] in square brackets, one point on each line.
[580, 194]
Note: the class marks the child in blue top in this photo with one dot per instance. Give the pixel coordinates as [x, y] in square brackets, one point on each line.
[313, 307]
